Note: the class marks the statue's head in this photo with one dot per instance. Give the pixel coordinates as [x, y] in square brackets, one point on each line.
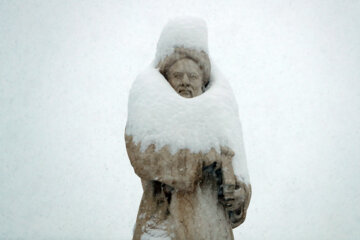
[187, 71]
[185, 76]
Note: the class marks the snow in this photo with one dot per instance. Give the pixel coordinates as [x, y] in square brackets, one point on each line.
[158, 115]
[66, 68]
[188, 32]
[156, 232]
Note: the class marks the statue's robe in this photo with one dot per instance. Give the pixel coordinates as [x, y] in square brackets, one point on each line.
[181, 194]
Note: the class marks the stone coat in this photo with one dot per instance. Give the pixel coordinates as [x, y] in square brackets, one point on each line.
[187, 195]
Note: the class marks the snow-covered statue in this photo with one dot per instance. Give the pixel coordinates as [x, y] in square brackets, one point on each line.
[186, 145]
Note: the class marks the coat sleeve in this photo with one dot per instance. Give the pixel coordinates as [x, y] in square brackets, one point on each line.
[236, 194]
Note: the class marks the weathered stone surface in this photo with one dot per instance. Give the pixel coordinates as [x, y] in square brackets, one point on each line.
[188, 195]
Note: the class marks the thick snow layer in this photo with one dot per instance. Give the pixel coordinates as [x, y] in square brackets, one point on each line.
[188, 32]
[159, 115]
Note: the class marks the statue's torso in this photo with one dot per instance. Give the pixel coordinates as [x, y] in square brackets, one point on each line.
[182, 215]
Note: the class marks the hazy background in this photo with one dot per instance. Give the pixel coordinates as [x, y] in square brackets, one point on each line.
[66, 68]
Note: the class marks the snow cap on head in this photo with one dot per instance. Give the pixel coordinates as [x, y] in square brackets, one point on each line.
[185, 32]
[184, 37]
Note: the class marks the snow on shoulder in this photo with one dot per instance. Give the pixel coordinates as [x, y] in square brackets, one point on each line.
[158, 115]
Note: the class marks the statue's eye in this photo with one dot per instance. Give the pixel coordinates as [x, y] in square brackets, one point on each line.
[193, 76]
[177, 75]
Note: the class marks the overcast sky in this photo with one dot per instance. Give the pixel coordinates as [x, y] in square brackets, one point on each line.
[66, 68]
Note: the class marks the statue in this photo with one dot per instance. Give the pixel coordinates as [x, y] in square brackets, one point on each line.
[187, 194]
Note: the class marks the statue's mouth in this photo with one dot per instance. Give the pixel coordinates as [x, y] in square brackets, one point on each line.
[185, 93]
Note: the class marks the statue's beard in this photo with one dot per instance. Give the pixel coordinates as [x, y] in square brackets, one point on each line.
[185, 93]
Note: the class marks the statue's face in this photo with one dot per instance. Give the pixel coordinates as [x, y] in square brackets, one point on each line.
[186, 77]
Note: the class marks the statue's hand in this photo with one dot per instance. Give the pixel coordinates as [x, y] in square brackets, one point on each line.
[237, 204]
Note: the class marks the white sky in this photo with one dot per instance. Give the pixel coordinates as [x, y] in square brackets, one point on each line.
[65, 72]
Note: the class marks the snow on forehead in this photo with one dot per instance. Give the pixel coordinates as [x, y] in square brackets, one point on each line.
[187, 32]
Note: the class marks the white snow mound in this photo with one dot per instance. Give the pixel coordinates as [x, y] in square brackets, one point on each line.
[159, 115]
[187, 32]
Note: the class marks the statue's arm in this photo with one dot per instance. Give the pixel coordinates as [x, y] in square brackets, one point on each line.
[181, 170]
[236, 194]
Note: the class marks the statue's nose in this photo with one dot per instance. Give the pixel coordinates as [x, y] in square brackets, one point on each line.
[186, 80]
